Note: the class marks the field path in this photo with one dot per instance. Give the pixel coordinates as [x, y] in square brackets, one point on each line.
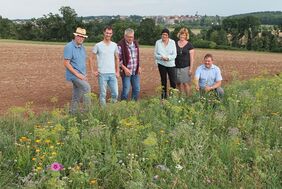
[35, 72]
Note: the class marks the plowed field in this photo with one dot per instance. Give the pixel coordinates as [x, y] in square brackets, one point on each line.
[35, 72]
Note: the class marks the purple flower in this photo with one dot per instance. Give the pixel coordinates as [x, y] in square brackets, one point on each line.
[56, 166]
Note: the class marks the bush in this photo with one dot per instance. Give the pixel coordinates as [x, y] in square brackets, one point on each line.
[204, 44]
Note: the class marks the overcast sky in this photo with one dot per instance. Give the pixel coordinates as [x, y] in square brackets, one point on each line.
[22, 9]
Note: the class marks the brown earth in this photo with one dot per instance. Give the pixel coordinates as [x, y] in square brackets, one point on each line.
[35, 73]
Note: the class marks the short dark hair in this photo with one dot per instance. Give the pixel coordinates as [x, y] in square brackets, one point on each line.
[208, 55]
[108, 28]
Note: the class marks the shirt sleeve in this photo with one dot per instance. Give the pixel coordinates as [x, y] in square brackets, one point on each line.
[197, 73]
[218, 75]
[67, 52]
[95, 49]
[120, 55]
[116, 49]
[156, 52]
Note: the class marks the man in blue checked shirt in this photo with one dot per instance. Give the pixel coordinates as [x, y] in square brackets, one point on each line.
[208, 77]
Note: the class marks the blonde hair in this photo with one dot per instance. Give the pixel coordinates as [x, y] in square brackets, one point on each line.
[183, 31]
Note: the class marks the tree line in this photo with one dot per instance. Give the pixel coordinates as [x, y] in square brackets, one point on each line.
[244, 32]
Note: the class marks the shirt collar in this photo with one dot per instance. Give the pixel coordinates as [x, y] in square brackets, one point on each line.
[212, 67]
[76, 45]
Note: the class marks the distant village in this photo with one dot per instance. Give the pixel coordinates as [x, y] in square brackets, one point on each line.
[170, 20]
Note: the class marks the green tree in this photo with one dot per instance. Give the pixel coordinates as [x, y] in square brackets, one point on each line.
[27, 30]
[7, 28]
[70, 22]
[50, 27]
[119, 26]
[148, 32]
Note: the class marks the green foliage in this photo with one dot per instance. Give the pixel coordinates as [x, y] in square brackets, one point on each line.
[204, 44]
[195, 142]
[147, 32]
[266, 17]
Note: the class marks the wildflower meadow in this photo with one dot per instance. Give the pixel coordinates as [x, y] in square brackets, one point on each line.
[195, 142]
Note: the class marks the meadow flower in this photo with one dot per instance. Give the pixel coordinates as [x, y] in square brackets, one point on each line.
[54, 153]
[38, 169]
[24, 139]
[37, 140]
[92, 181]
[156, 177]
[47, 141]
[56, 166]
[179, 167]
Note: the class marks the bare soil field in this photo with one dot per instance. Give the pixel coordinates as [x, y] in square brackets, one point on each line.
[35, 72]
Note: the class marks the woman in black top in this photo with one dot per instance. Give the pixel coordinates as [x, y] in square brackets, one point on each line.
[184, 62]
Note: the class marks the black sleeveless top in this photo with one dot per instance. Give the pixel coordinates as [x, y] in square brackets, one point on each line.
[183, 56]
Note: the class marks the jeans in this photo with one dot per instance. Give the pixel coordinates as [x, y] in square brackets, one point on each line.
[171, 72]
[81, 89]
[108, 79]
[134, 80]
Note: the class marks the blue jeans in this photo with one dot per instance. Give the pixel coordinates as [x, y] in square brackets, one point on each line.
[108, 79]
[81, 89]
[134, 81]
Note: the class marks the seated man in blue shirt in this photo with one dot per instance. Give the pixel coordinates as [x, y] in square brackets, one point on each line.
[208, 77]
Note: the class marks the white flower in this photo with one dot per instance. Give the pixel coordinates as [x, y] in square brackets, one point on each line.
[178, 167]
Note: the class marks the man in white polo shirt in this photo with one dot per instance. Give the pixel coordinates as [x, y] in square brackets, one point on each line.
[106, 54]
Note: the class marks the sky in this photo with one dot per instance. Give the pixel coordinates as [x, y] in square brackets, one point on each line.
[26, 9]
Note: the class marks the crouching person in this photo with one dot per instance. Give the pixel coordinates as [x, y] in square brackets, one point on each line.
[208, 77]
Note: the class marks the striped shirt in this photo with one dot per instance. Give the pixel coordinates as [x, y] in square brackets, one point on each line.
[132, 63]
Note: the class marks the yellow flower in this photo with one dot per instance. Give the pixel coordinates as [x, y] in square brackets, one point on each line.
[93, 181]
[37, 150]
[37, 140]
[23, 139]
[52, 147]
[47, 141]
[38, 169]
[37, 126]
[54, 153]
[161, 131]
[33, 159]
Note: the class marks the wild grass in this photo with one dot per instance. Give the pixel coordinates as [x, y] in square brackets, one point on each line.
[196, 142]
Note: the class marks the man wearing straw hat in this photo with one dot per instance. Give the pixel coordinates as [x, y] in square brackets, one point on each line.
[75, 62]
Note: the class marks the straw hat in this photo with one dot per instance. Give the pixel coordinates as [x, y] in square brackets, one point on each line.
[80, 32]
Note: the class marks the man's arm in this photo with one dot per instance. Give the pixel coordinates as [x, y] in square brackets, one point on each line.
[117, 64]
[122, 66]
[196, 82]
[73, 71]
[214, 86]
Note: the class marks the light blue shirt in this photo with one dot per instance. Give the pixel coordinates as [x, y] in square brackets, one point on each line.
[208, 76]
[166, 51]
[106, 56]
[77, 56]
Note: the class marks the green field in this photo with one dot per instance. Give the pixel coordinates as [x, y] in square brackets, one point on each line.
[198, 142]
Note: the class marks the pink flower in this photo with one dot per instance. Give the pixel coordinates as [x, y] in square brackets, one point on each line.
[56, 166]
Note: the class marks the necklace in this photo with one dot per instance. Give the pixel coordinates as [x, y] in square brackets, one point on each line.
[181, 44]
